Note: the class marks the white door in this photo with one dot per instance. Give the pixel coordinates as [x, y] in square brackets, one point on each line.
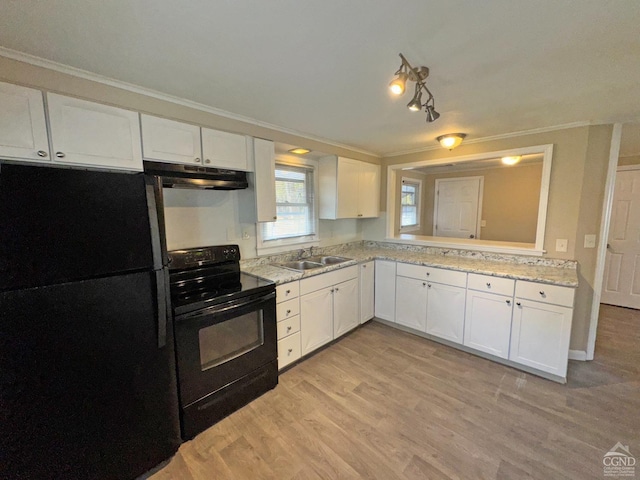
[621, 284]
[316, 320]
[224, 150]
[411, 303]
[170, 141]
[345, 307]
[88, 133]
[445, 311]
[367, 291]
[457, 206]
[487, 323]
[23, 129]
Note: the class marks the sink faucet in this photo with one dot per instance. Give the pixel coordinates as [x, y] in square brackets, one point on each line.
[304, 253]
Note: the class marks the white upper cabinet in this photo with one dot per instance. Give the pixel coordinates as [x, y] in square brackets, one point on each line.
[224, 150]
[92, 134]
[170, 141]
[348, 188]
[23, 129]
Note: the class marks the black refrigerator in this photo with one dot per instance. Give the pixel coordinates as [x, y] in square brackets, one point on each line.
[87, 365]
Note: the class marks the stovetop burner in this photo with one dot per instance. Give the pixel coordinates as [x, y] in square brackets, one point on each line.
[205, 276]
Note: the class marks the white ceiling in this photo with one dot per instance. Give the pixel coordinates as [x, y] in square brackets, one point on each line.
[321, 67]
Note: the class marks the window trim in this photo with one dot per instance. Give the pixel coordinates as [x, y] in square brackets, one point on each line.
[266, 247]
[417, 182]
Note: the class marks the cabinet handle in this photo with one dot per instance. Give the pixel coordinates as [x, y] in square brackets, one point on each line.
[508, 302]
[364, 266]
[289, 328]
[288, 312]
[488, 285]
[333, 290]
[197, 160]
[518, 304]
[287, 292]
[428, 274]
[424, 284]
[60, 154]
[275, 218]
[429, 286]
[337, 289]
[207, 161]
[542, 293]
[42, 153]
[290, 351]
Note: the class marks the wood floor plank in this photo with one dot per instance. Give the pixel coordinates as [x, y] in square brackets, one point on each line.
[385, 404]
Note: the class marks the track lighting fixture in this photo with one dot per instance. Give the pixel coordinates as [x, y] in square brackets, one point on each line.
[417, 75]
[451, 140]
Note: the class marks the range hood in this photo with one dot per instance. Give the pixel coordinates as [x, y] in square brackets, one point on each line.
[194, 176]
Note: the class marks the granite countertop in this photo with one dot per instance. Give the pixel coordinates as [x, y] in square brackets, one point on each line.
[536, 269]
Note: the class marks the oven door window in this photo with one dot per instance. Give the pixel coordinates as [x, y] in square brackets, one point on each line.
[227, 340]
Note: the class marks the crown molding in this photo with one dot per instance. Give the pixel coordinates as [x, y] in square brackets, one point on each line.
[493, 137]
[94, 77]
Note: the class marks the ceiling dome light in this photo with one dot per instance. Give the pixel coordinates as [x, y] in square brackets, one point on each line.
[299, 151]
[397, 85]
[450, 140]
[511, 160]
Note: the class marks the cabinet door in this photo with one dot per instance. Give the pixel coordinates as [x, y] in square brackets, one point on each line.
[169, 141]
[411, 303]
[87, 133]
[445, 312]
[487, 323]
[369, 190]
[265, 180]
[316, 320]
[224, 150]
[385, 290]
[345, 307]
[348, 182]
[23, 129]
[367, 285]
[540, 336]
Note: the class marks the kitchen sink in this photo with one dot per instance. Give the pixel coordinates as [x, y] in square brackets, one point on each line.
[328, 260]
[301, 265]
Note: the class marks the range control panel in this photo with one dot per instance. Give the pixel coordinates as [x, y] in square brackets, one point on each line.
[195, 257]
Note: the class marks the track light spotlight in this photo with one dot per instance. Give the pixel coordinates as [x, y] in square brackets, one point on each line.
[417, 75]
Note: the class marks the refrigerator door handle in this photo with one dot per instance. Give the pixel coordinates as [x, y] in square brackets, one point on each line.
[163, 307]
[154, 203]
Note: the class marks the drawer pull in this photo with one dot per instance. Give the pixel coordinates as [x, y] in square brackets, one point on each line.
[488, 285]
[428, 274]
[289, 328]
[508, 302]
[290, 351]
[518, 304]
[288, 312]
[42, 153]
[542, 293]
[287, 292]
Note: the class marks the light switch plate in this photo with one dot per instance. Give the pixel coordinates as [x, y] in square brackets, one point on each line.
[561, 244]
[590, 241]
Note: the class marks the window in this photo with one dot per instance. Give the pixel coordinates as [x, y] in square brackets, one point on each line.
[295, 207]
[410, 204]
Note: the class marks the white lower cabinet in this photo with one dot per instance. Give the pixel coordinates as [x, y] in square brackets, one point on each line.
[288, 326]
[316, 319]
[411, 303]
[328, 307]
[445, 311]
[367, 291]
[385, 290]
[487, 323]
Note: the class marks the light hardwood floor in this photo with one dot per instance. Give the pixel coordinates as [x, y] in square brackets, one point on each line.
[383, 404]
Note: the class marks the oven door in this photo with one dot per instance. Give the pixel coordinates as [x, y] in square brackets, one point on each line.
[223, 343]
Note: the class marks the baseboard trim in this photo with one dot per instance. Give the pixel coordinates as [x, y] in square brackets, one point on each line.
[578, 355]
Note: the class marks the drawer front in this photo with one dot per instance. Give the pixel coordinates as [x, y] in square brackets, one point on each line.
[288, 327]
[487, 283]
[287, 309]
[438, 275]
[545, 293]
[325, 280]
[288, 350]
[287, 291]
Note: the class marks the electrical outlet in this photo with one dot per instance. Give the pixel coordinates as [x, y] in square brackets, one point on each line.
[562, 244]
[590, 241]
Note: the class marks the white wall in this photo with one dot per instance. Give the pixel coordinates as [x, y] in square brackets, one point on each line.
[196, 218]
